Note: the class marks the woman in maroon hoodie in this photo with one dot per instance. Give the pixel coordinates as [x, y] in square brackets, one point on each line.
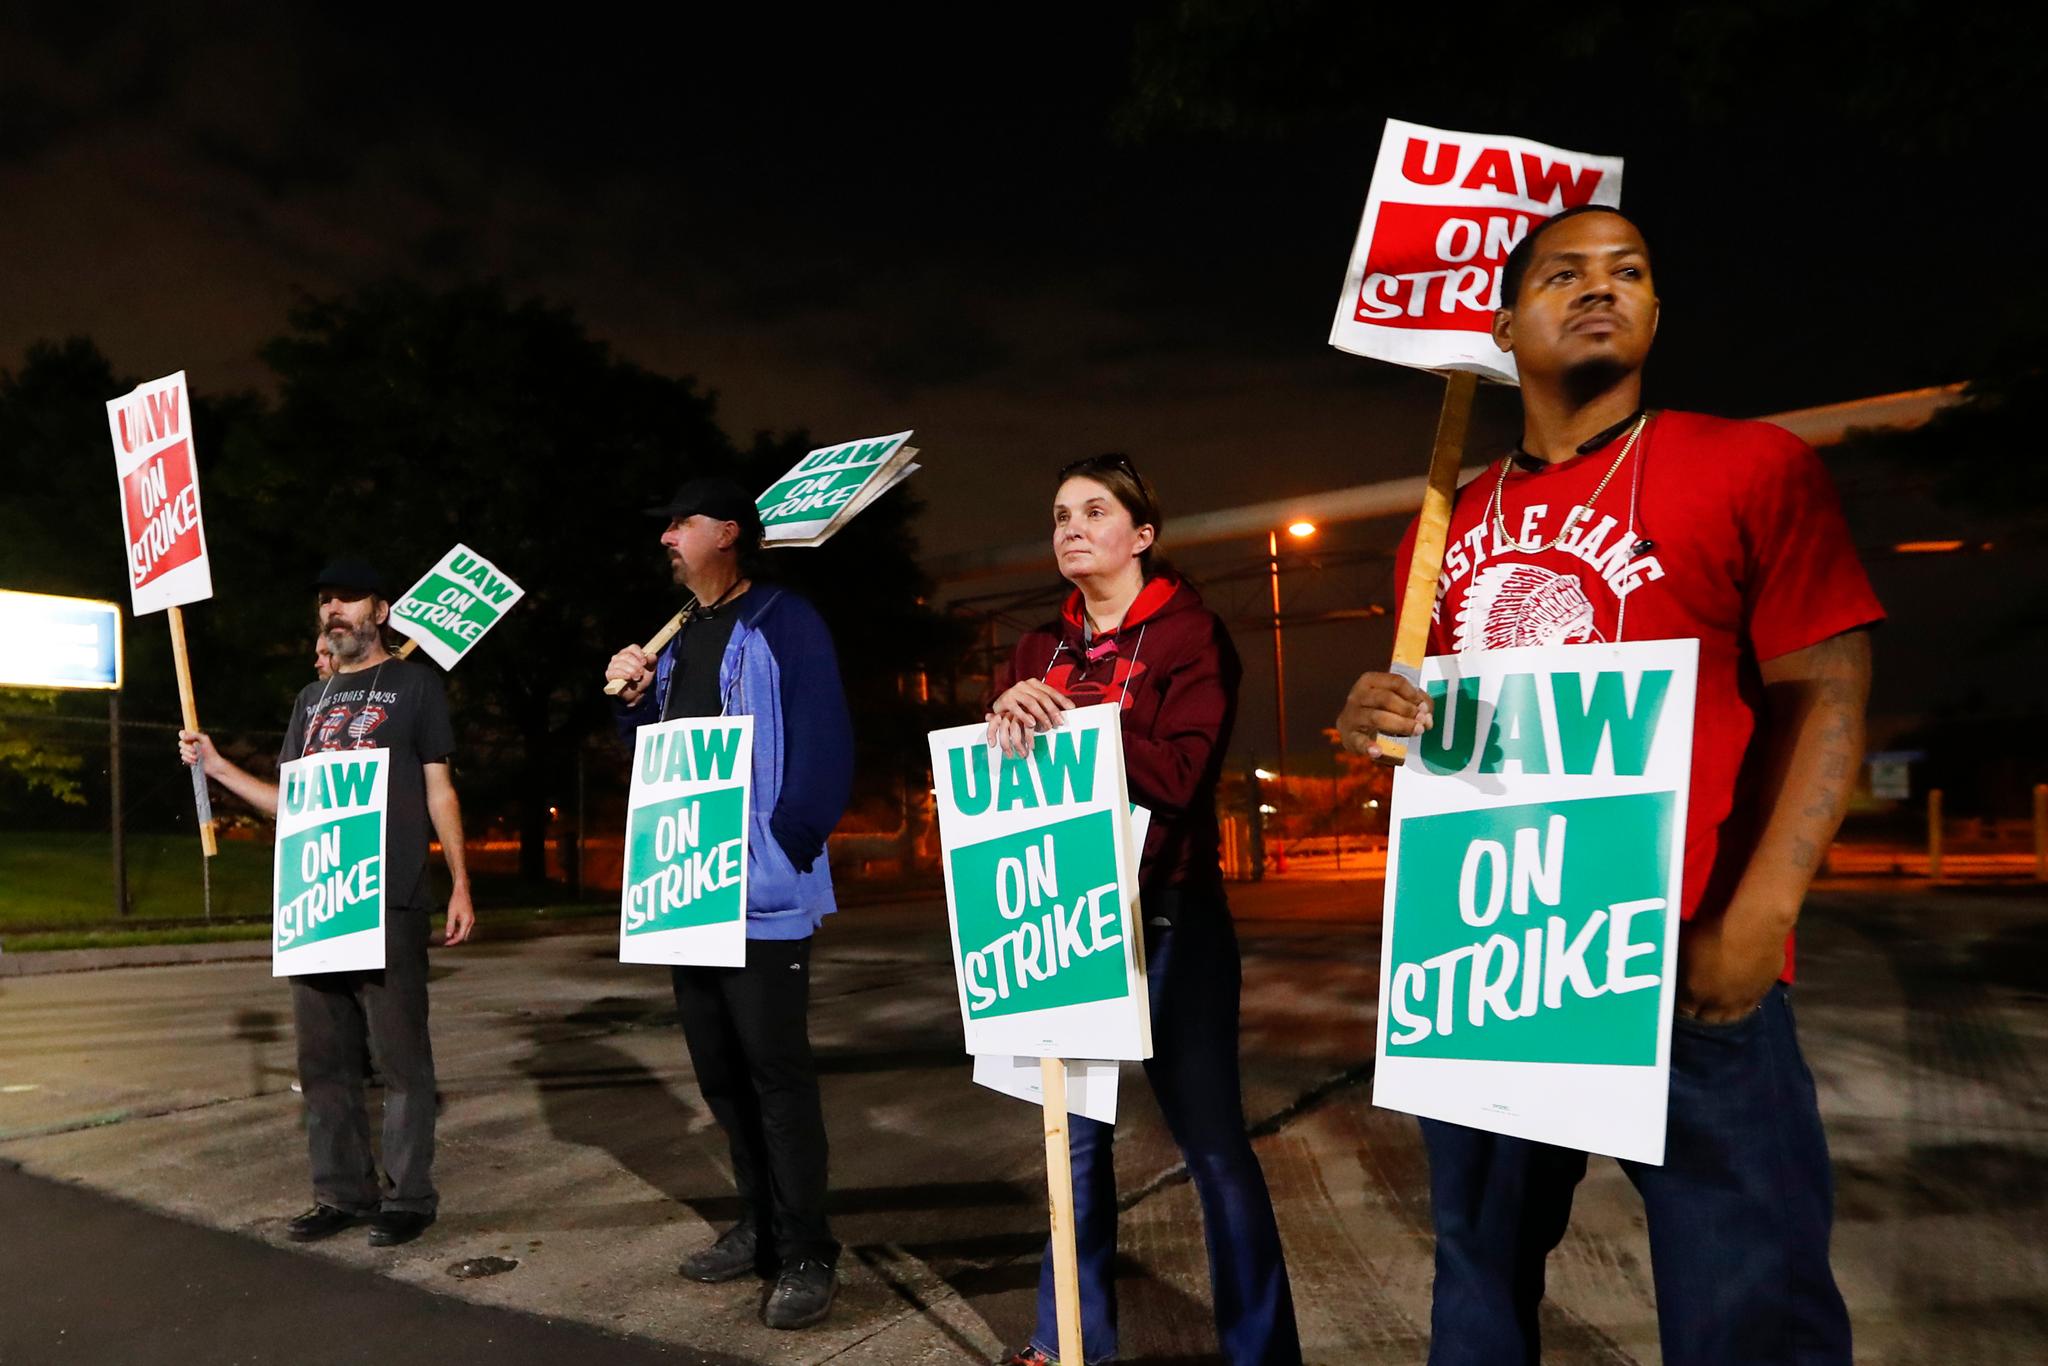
[1141, 638]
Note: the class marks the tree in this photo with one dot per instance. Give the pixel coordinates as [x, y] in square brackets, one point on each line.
[38, 766]
[60, 532]
[60, 523]
[58, 468]
[408, 420]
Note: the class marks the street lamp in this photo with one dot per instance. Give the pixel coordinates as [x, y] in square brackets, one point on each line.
[1300, 531]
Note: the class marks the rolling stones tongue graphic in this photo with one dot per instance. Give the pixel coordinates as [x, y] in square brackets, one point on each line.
[365, 725]
[1523, 604]
[343, 728]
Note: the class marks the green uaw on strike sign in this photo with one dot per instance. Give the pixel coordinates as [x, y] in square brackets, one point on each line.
[829, 486]
[683, 895]
[327, 907]
[453, 604]
[1533, 881]
[1041, 891]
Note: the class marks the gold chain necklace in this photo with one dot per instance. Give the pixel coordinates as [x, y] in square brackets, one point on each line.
[1500, 526]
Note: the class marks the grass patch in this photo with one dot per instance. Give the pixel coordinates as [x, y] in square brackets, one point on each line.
[57, 892]
[54, 880]
[495, 923]
[65, 880]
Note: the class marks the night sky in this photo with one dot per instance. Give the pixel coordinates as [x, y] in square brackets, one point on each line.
[1075, 232]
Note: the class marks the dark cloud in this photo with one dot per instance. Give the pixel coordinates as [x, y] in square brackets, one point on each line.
[1028, 236]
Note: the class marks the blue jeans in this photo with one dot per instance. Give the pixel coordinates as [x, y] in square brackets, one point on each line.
[1194, 975]
[1739, 1214]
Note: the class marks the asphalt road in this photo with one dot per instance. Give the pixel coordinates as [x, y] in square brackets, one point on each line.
[160, 1150]
[89, 1278]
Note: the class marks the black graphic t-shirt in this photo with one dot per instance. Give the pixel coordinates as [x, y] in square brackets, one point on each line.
[397, 705]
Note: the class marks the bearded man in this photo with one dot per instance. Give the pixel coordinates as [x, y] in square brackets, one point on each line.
[758, 650]
[372, 700]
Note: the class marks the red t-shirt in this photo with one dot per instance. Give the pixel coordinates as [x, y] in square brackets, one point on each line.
[1729, 533]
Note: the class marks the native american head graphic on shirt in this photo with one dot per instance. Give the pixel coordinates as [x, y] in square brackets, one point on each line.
[1523, 604]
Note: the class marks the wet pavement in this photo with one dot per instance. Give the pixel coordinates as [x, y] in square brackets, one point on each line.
[573, 1142]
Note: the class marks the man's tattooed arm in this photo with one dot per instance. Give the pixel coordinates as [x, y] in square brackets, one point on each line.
[1814, 702]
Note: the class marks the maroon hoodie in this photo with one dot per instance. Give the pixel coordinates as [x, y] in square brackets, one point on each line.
[1172, 666]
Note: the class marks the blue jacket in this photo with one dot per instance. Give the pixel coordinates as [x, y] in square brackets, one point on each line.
[780, 668]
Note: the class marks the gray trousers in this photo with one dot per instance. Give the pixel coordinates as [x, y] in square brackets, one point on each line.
[342, 1019]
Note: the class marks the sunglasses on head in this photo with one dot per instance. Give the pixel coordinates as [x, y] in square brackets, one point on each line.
[1097, 462]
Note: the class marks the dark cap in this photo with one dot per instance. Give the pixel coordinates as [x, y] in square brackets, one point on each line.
[718, 498]
[350, 572]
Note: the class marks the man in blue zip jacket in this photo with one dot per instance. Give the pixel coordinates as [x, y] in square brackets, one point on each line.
[758, 650]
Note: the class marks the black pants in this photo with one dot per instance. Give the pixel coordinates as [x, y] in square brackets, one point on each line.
[748, 1031]
[341, 1019]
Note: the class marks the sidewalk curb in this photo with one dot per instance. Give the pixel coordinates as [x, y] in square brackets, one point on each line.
[140, 956]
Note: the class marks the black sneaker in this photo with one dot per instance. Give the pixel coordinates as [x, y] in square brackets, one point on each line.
[802, 1297]
[321, 1221]
[737, 1252]
[390, 1227]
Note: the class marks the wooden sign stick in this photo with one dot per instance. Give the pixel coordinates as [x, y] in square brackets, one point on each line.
[202, 803]
[1059, 1180]
[406, 649]
[614, 687]
[1418, 600]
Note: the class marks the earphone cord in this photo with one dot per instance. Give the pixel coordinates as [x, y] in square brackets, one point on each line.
[1635, 491]
[1124, 701]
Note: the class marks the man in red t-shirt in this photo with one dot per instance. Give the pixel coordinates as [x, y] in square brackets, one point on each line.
[1611, 523]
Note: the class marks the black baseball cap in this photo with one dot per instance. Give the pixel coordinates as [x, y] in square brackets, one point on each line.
[716, 497]
[351, 572]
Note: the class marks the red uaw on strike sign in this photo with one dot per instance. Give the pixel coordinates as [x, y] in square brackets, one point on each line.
[1443, 213]
[152, 430]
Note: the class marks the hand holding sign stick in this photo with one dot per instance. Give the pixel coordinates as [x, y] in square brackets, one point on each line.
[615, 686]
[188, 707]
[812, 501]
[1418, 598]
[1442, 214]
[166, 538]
